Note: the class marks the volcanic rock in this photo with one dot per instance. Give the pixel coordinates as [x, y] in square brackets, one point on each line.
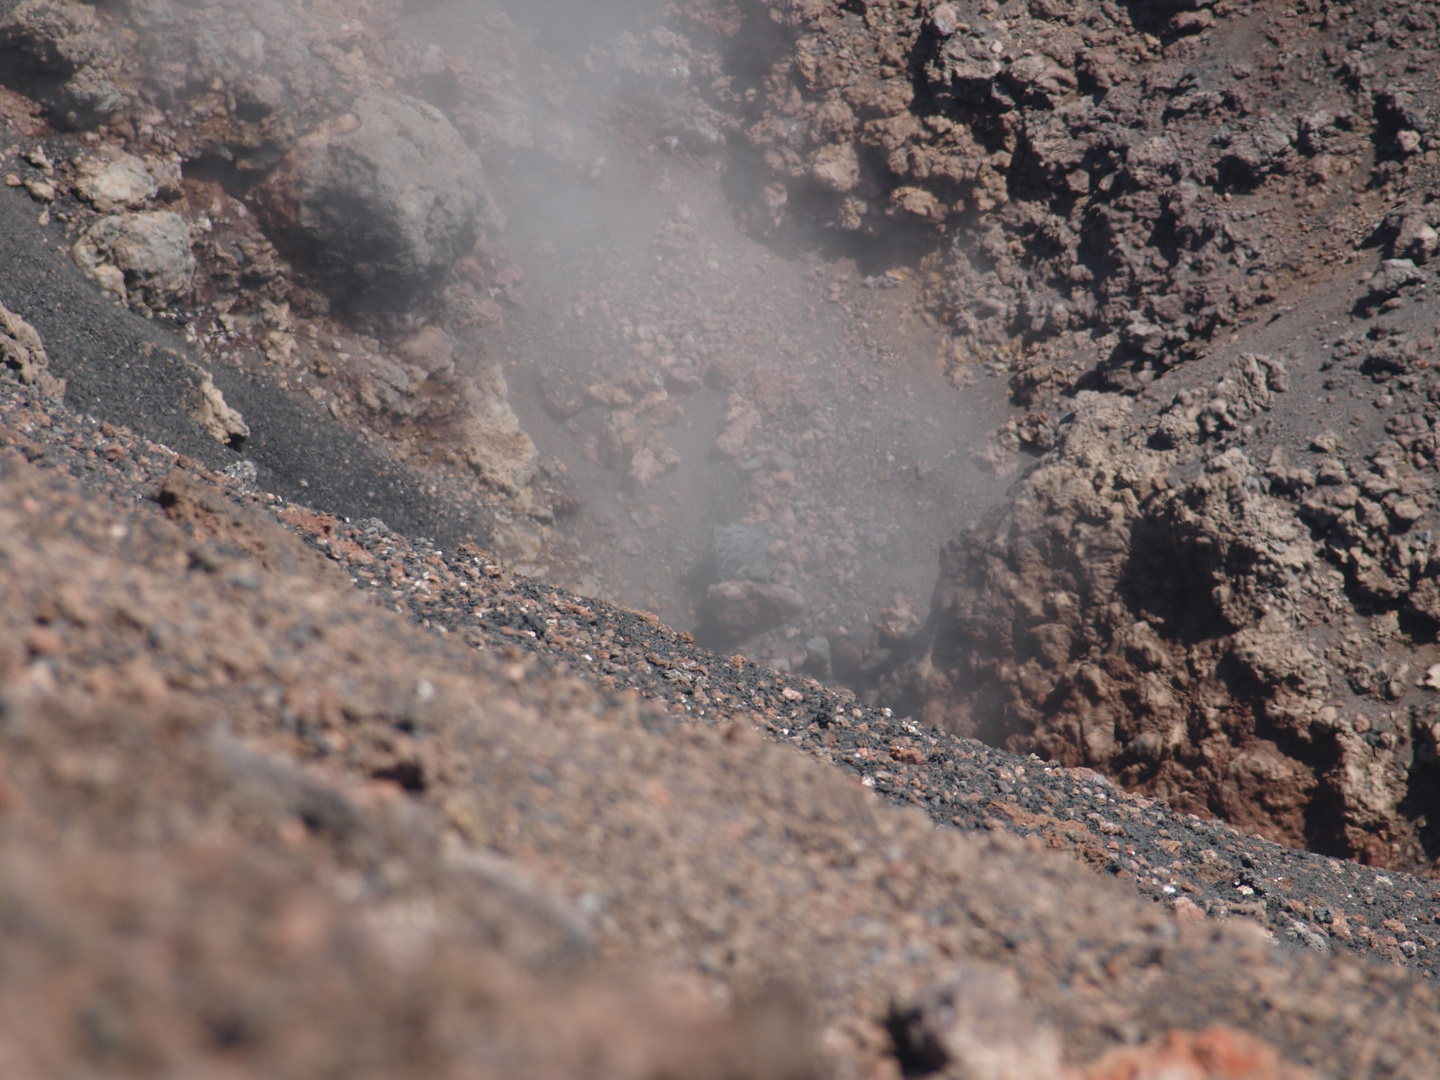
[1394, 275]
[733, 609]
[116, 181]
[741, 551]
[430, 349]
[378, 203]
[23, 352]
[54, 50]
[1415, 238]
[209, 409]
[144, 258]
[492, 442]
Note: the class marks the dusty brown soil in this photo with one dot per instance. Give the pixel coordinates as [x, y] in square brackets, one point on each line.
[257, 822]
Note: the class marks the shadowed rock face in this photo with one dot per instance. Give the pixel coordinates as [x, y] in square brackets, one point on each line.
[379, 203]
[56, 51]
[1158, 604]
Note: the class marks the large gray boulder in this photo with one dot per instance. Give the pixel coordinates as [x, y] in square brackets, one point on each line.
[378, 203]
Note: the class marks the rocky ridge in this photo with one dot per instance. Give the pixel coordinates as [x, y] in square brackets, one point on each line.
[1111, 182]
[1212, 604]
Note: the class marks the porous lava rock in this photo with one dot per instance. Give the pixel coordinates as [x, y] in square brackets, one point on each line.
[142, 257]
[22, 351]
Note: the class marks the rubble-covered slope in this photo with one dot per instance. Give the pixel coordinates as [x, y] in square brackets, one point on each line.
[1115, 184]
[1221, 591]
[253, 820]
[1215, 595]
[1217, 585]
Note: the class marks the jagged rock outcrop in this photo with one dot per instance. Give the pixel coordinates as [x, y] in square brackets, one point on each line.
[1119, 189]
[1145, 606]
[216, 417]
[23, 352]
[1080, 162]
[142, 258]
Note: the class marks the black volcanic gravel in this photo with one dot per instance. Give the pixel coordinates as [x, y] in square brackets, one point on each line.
[132, 371]
[1306, 901]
